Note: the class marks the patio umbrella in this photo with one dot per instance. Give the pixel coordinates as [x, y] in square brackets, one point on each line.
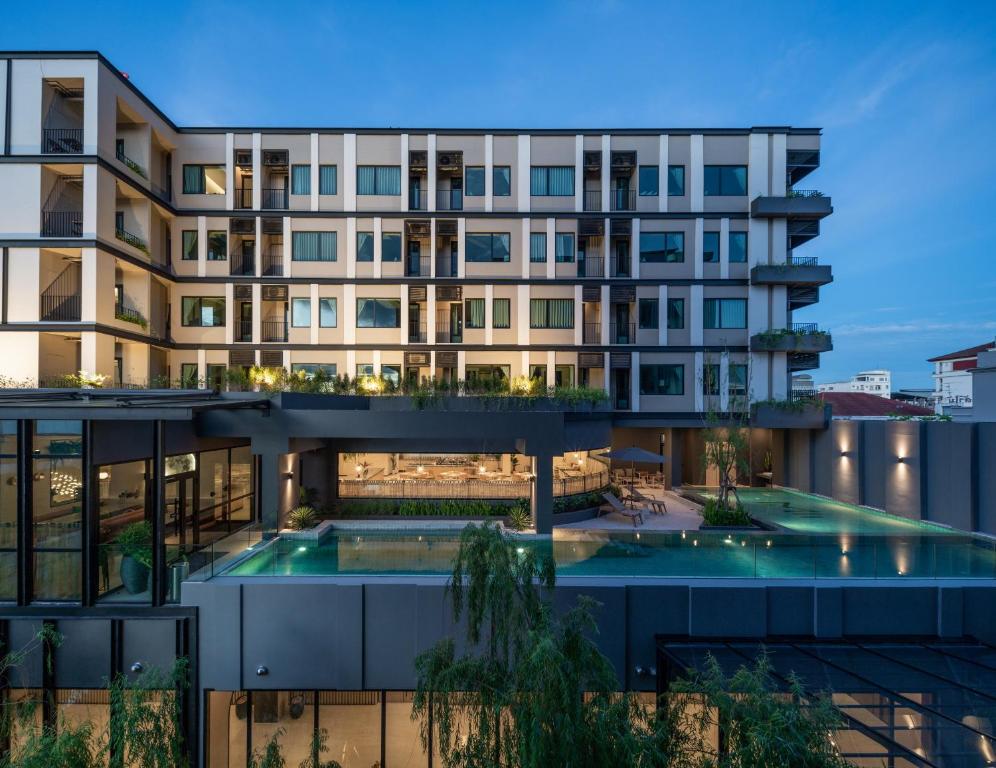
[634, 454]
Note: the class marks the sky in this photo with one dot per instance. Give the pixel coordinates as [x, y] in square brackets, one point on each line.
[905, 93]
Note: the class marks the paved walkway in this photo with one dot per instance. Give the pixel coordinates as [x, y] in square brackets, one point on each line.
[681, 515]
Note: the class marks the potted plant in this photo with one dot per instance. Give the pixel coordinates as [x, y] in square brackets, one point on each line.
[135, 545]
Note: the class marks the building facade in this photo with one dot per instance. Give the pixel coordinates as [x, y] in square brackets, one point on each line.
[877, 382]
[953, 378]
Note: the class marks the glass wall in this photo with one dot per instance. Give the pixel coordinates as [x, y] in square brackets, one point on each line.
[57, 509]
[122, 519]
[8, 510]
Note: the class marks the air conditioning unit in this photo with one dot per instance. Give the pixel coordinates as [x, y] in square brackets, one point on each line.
[243, 158]
[622, 161]
[450, 161]
[418, 160]
[446, 227]
[593, 161]
[273, 226]
[275, 157]
[418, 228]
[274, 293]
[243, 226]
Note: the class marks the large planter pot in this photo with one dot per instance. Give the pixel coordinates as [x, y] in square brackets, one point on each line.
[134, 575]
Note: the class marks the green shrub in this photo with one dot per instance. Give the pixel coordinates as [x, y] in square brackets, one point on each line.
[519, 518]
[302, 518]
[715, 514]
[135, 541]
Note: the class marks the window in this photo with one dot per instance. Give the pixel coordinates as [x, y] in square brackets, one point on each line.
[300, 313]
[300, 179]
[327, 312]
[391, 374]
[738, 247]
[501, 313]
[328, 180]
[188, 375]
[656, 247]
[493, 374]
[676, 181]
[710, 379]
[502, 178]
[364, 369]
[738, 380]
[662, 379]
[563, 375]
[189, 252]
[310, 369]
[564, 248]
[203, 311]
[724, 313]
[473, 185]
[364, 246]
[204, 179]
[724, 180]
[675, 314]
[537, 373]
[551, 313]
[217, 249]
[378, 313]
[649, 181]
[710, 247]
[649, 310]
[537, 247]
[313, 246]
[390, 246]
[493, 246]
[378, 180]
[551, 181]
[475, 313]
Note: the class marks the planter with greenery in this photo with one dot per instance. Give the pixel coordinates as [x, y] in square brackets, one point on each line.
[716, 516]
[135, 545]
[302, 518]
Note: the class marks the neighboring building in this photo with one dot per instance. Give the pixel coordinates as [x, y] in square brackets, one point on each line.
[877, 382]
[802, 384]
[863, 405]
[953, 378]
[984, 387]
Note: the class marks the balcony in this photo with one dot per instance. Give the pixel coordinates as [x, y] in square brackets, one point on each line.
[620, 266]
[445, 336]
[418, 200]
[243, 197]
[130, 164]
[273, 330]
[798, 412]
[418, 266]
[131, 239]
[445, 267]
[62, 141]
[797, 204]
[273, 199]
[61, 301]
[593, 200]
[805, 338]
[417, 333]
[273, 262]
[591, 266]
[129, 315]
[795, 271]
[62, 224]
[242, 264]
[243, 330]
[449, 200]
[592, 333]
[623, 199]
[622, 333]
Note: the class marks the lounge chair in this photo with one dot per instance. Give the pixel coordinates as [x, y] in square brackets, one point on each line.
[617, 506]
[656, 506]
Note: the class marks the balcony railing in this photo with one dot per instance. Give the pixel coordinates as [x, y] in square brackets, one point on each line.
[273, 263]
[593, 199]
[805, 327]
[623, 199]
[129, 315]
[61, 308]
[130, 164]
[62, 224]
[242, 264]
[418, 200]
[443, 335]
[417, 333]
[802, 261]
[592, 266]
[131, 239]
[803, 193]
[273, 198]
[273, 330]
[592, 333]
[622, 333]
[621, 266]
[243, 330]
[243, 197]
[62, 141]
[418, 267]
[445, 267]
[449, 200]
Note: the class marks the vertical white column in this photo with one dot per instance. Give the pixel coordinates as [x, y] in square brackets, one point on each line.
[403, 340]
[257, 170]
[489, 172]
[724, 248]
[286, 361]
[699, 381]
[432, 364]
[634, 256]
[90, 201]
[431, 143]
[257, 312]
[522, 315]
[315, 314]
[258, 248]
[523, 163]
[489, 302]
[699, 251]
[349, 173]
[430, 317]
[461, 365]
[605, 307]
[376, 362]
[524, 362]
[776, 163]
[607, 248]
[404, 172]
[579, 173]
[229, 171]
[351, 248]
[695, 185]
[551, 363]
[377, 246]
[90, 293]
[663, 151]
[634, 382]
[551, 238]
[201, 246]
[724, 381]
[526, 231]
[229, 313]
[757, 165]
[578, 316]
[351, 363]
[432, 247]
[288, 241]
[462, 245]
[314, 171]
[201, 364]
[695, 316]
[662, 314]
[606, 373]
[606, 168]
[347, 314]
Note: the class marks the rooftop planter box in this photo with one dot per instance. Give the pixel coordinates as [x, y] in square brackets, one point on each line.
[791, 273]
[798, 204]
[789, 340]
[398, 403]
[790, 414]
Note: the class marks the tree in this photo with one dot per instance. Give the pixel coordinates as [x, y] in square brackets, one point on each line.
[726, 437]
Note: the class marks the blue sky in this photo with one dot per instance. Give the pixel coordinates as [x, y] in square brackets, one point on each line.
[905, 93]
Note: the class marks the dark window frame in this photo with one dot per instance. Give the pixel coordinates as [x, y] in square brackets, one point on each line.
[667, 248]
[670, 171]
[467, 189]
[720, 186]
[657, 180]
[494, 177]
[655, 315]
[200, 300]
[492, 236]
[378, 300]
[654, 391]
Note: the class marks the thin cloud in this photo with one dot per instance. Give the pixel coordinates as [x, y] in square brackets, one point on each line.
[912, 327]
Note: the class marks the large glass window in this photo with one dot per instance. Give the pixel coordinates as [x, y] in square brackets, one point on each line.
[473, 185]
[551, 181]
[675, 314]
[475, 313]
[300, 179]
[213, 490]
[390, 246]
[551, 313]
[710, 380]
[378, 180]
[310, 369]
[492, 374]
[502, 181]
[537, 247]
[738, 247]
[204, 179]
[364, 246]
[378, 313]
[724, 313]
[710, 247]
[662, 379]
[564, 248]
[649, 311]
[328, 312]
[658, 247]
[563, 375]
[487, 246]
[738, 380]
[57, 509]
[724, 180]
[188, 375]
[8, 510]
[328, 180]
[676, 181]
[203, 311]
[121, 491]
[300, 313]
[501, 313]
[241, 483]
[189, 248]
[313, 246]
[217, 245]
[649, 181]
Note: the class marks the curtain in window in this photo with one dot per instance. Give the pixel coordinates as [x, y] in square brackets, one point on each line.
[388, 180]
[193, 179]
[501, 311]
[190, 244]
[327, 180]
[565, 248]
[738, 379]
[537, 181]
[537, 313]
[734, 313]
[537, 247]
[561, 181]
[366, 180]
[562, 313]
[301, 180]
[327, 312]
[676, 313]
[364, 246]
[313, 246]
[475, 313]
[710, 313]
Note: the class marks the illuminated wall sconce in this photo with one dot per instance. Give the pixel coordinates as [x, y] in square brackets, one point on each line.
[845, 454]
[288, 475]
[901, 459]
[103, 475]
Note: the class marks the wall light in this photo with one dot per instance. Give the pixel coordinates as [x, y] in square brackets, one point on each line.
[103, 475]
[901, 459]
[288, 475]
[845, 453]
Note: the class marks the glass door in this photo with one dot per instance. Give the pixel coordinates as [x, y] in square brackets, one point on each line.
[456, 321]
[182, 533]
[414, 256]
[622, 324]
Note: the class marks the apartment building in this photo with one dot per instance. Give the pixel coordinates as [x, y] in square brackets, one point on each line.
[877, 382]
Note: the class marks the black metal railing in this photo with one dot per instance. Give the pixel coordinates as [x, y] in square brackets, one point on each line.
[591, 266]
[622, 333]
[443, 335]
[62, 141]
[418, 266]
[445, 267]
[62, 224]
[803, 193]
[592, 333]
[133, 240]
[242, 264]
[243, 330]
[417, 333]
[273, 262]
[418, 200]
[593, 199]
[129, 163]
[129, 314]
[802, 394]
[805, 328]
[57, 307]
[273, 198]
[449, 200]
[803, 261]
[620, 266]
[623, 199]
[243, 197]
[273, 330]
